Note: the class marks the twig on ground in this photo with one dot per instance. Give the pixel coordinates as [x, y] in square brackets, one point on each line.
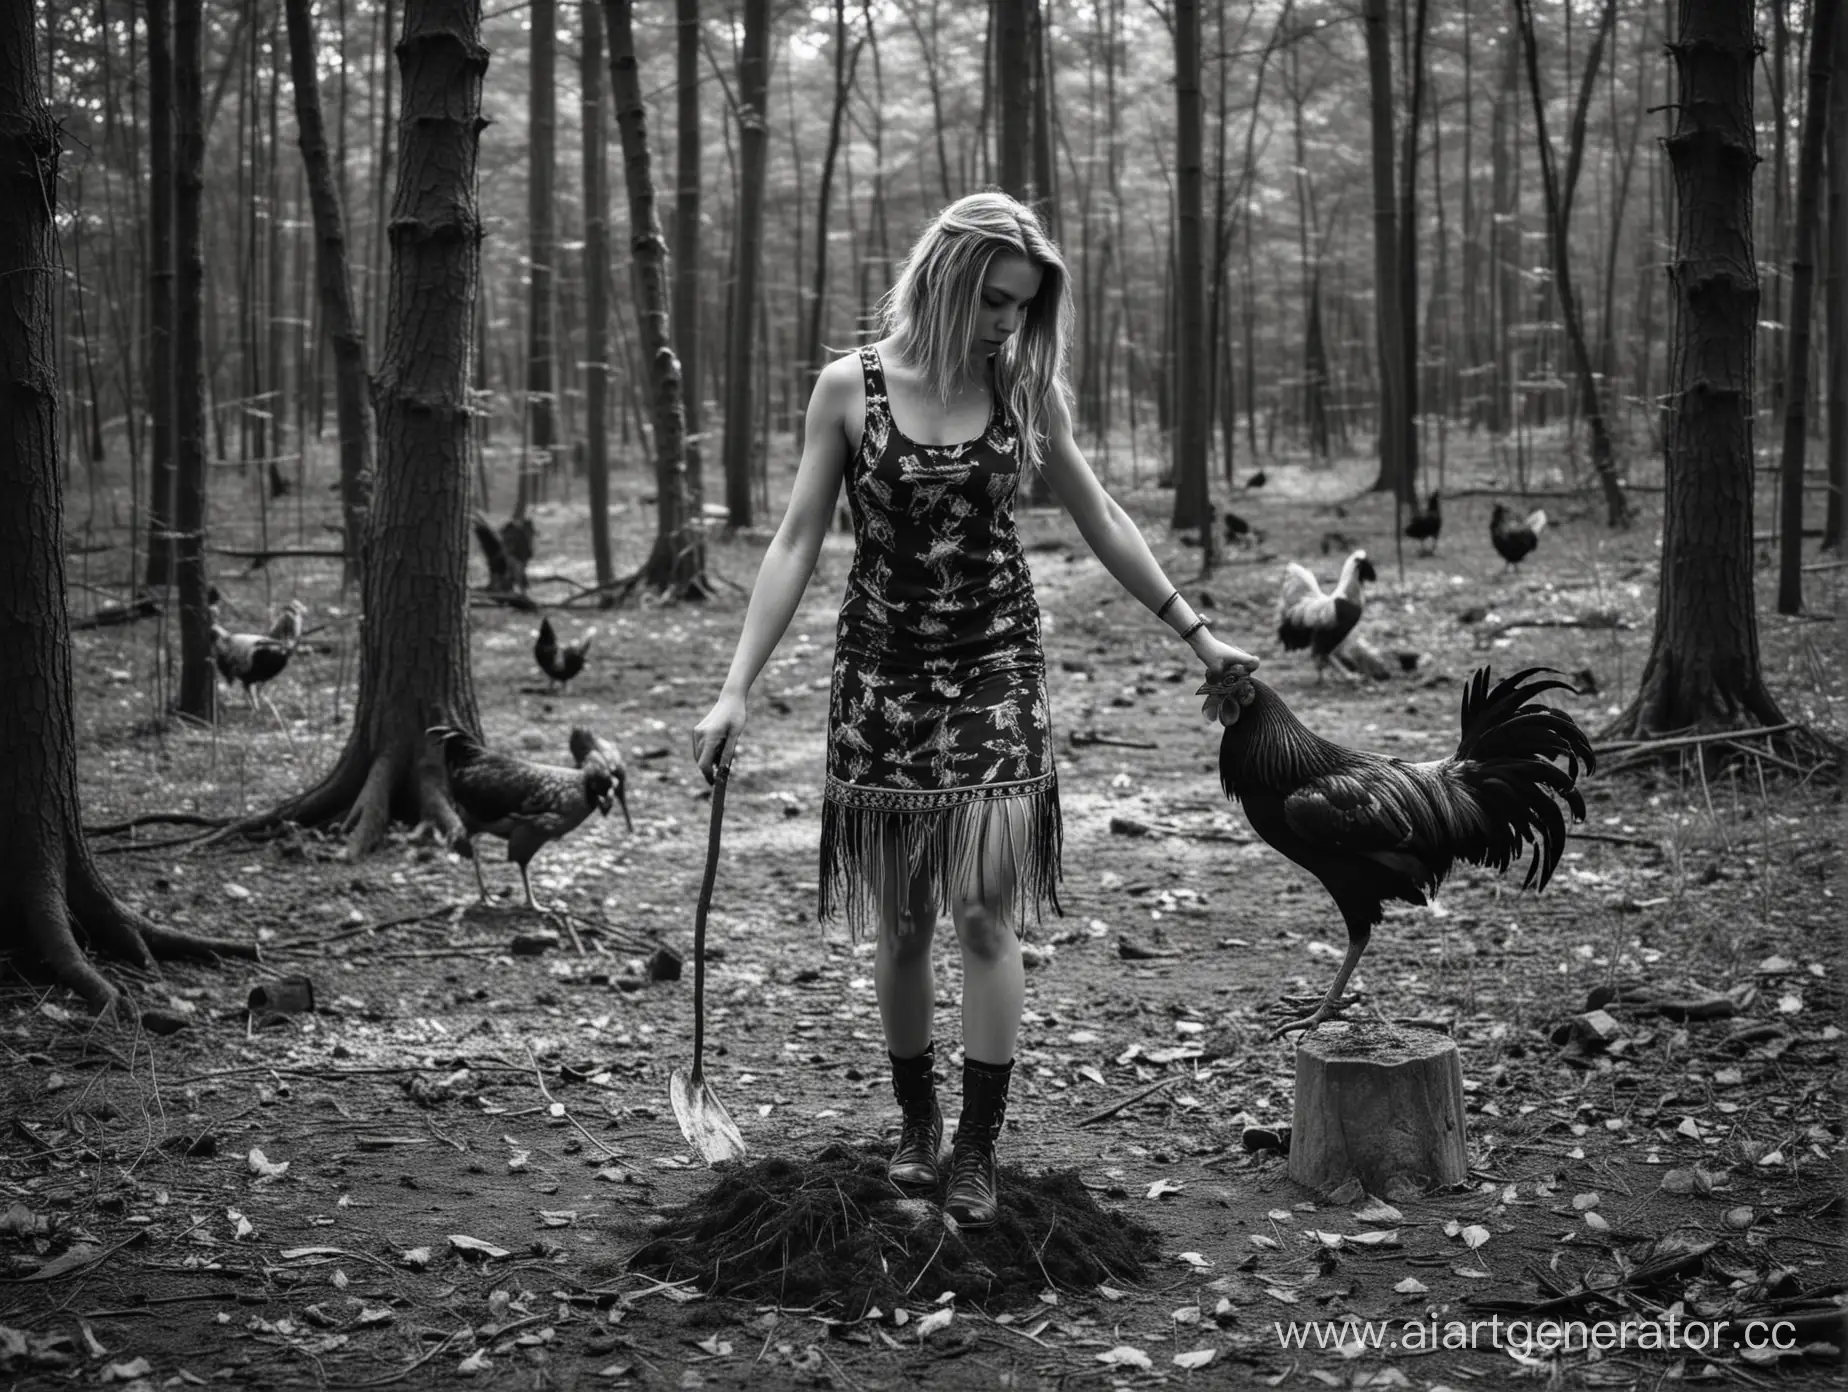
[566, 1111]
[1130, 1101]
[156, 819]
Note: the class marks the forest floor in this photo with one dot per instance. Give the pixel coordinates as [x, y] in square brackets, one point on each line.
[444, 1168]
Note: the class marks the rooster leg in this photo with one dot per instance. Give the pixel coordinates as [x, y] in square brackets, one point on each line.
[531, 903]
[480, 879]
[1332, 1004]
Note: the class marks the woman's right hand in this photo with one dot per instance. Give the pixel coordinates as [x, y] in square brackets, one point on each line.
[718, 733]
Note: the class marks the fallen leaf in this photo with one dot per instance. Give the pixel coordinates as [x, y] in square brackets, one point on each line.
[127, 1372]
[1585, 1202]
[1197, 1261]
[1268, 1243]
[558, 1218]
[1164, 1186]
[1388, 1237]
[1199, 1358]
[1474, 1236]
[719, 1348]
[1597, 1222]
[372, 1315]
[1109, 1292]
[1740, 1218]
[1411, 1285]
[476, 1362]
[261, 1167]
[475, 1247]
[1124, 1356]
[1379, 1211]
[935, 1320]
[417, 1258]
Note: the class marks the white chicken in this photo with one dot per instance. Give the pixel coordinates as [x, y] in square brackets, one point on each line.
[1308, 618]
[254, 658]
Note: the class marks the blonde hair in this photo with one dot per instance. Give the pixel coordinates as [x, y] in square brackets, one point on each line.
[933, 305]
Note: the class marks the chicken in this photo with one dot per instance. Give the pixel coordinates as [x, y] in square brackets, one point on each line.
[1238, 528]
[507, 552]
[1307, 618]
[1515, 543]
[526, 803]
[1257, 480]
[255, 658]
[1425, 526]
[1373, 828]
[560, 664]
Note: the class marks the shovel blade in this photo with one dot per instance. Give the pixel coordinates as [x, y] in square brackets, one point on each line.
[704, 1121]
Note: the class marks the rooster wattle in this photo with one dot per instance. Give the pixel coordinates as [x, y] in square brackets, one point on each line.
[1373, 828]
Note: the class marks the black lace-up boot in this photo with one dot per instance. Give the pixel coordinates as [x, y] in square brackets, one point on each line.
[914, 1164]
[974, 1197]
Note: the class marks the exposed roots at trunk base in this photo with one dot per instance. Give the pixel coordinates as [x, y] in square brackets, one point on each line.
[364, 794]
[53, 915]
[1663, 726]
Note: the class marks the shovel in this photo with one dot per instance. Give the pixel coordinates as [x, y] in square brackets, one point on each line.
[703, 1119]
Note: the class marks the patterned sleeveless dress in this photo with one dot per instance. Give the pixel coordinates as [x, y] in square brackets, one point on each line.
[939, 735]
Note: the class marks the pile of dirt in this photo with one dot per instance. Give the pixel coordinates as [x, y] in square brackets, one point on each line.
[832, 1232]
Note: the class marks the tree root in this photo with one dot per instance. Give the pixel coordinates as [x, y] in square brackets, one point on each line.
[362, 796]
[82, 903]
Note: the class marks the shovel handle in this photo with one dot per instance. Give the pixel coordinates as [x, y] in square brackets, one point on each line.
[721, 776]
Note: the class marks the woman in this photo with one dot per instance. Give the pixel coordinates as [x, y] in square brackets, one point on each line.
[941, 791]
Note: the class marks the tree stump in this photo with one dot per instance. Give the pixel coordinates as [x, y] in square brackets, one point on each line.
[1378, 1104]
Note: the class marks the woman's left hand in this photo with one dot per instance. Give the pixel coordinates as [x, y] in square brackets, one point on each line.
[1225, 663]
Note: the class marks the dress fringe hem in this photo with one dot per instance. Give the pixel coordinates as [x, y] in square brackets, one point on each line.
[861, 846]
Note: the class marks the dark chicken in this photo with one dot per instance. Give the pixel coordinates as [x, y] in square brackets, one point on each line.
[1373, 828]
[255, 658]
[1425, 526]
[1307, 618]
[508, 552]
[528, 804]
[560, 663]
[1514, 542]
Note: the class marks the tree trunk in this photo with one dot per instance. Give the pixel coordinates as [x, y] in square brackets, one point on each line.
[1837, 291]
[160, 292]
[845, 65]
[687, 140]
[1191, 502]
[596, 295]
[1389, 315]
[1505, 240]
[1043, 186]
[1014, 84]
[53, 891]
[414, 644]
[353, 409]
[754, 151]
[1403, 482]
[677, 565]
[1703, 671]
[1802, 306]
[540, 461]
[1559, 224]
[198, 679]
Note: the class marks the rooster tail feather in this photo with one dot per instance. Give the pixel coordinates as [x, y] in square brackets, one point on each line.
[460, 748]
[1505, 764]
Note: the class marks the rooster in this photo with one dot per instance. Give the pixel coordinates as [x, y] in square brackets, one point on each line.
[255, 658]
[1425, 526]
[560, 664]
[1515, 543]
[507, 552]
[1307, 618]
[1373, 828]
[526, 803]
